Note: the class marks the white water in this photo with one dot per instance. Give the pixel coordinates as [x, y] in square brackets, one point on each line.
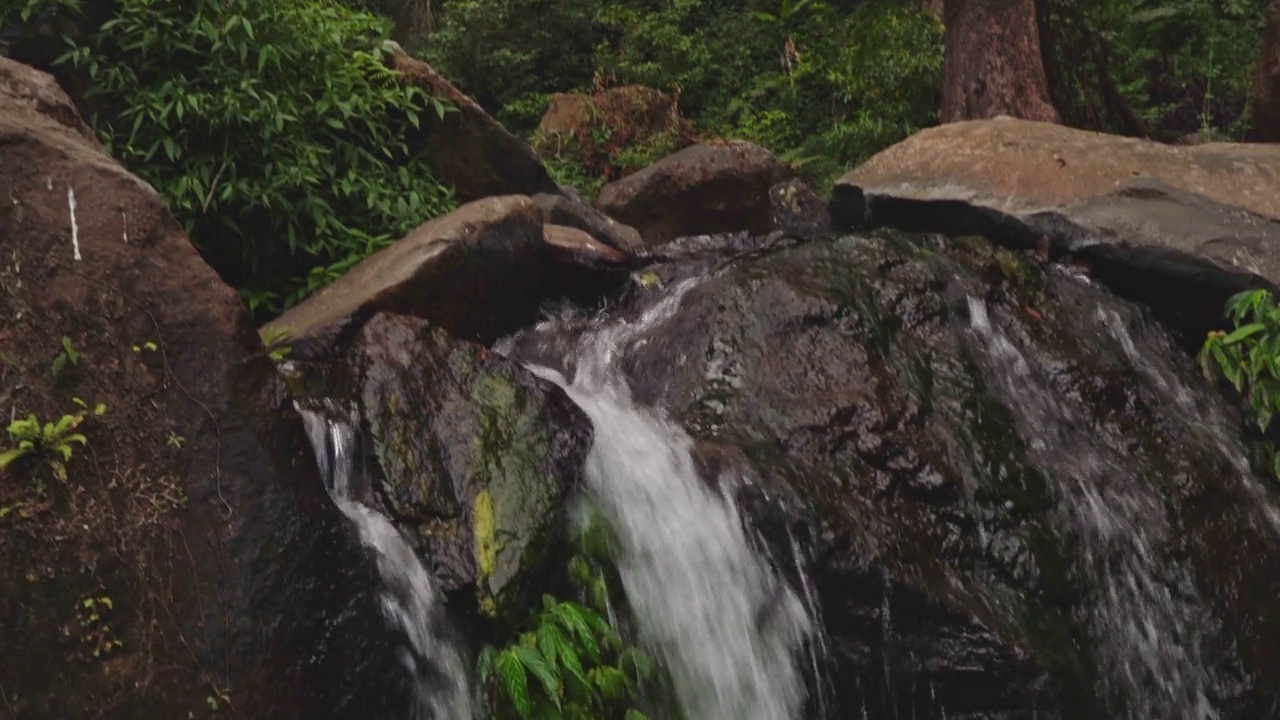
[698, 590]
[1211, 420]
[1149, 637]
[408, 599]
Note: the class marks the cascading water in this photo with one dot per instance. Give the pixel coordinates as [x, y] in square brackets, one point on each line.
[1146, 617]
[1211, 419]
[408, 599]
[726, 626]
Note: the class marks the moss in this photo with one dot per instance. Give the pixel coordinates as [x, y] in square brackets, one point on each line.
[508, 455]
[486, 546]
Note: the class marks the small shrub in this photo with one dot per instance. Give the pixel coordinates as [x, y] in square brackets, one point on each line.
[54, 442]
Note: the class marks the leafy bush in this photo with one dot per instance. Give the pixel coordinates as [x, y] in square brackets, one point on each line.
[1249, 359]
[274, 130]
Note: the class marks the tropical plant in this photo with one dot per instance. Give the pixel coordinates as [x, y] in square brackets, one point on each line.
[1248, 357]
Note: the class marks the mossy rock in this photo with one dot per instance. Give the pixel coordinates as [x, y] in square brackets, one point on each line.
[476, 456]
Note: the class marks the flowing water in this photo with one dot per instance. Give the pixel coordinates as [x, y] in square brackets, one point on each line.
[728, 629]
[1146, 616]
[408, 599]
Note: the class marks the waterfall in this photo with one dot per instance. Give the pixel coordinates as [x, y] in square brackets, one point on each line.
[1145, 617]
[408, 598]
[727, 628]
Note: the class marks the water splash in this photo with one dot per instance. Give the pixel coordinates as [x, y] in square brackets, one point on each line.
[1146, 617]
[409, 600]
[724, 624]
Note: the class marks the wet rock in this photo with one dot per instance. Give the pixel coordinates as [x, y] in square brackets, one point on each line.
[477, 272]
[561, 210]
[795, 209]
[715, 187]
[1203, 218]
[958, 571]
[477, 458]
[468, 149]
[194, 507]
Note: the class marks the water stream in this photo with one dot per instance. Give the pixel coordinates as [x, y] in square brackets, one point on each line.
[1146, 617]
[726, 626]
[409, 600]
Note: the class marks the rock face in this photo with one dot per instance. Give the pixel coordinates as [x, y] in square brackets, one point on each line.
[477, 458]
[469, 149]
[561, 210]
[999, 471]
[1144, 214]
[173, 562]
[706, 188]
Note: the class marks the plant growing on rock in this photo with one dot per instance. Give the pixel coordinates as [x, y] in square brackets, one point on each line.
[572, 662]
[1249, 358]
[53, 441]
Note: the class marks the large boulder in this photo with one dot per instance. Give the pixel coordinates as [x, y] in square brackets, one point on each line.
[1143, 214]
[1017, 498]
[477, 458]
[467, 148]
[185, 552]
[713, 187]
[480, 272]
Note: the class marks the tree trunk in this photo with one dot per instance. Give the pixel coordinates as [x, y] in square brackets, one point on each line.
[993, 64]
[1266, 83]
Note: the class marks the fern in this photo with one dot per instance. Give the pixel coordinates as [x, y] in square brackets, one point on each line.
[571, 664]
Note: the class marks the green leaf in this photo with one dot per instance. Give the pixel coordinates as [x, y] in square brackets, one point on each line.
[538, 667]
[515, 683]
[8, 456]
[1243, 332]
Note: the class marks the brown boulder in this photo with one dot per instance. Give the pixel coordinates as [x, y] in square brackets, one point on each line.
[467, 148]
[480, 272]
[707, 188]
[1146, 216]
[476, 272]
[147, 571]
[1265, 99]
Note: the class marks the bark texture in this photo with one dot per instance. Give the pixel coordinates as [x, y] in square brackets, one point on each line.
[993, 63]
[1266, 83]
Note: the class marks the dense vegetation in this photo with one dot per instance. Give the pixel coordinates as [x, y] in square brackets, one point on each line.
[274, 130]
[826, 84]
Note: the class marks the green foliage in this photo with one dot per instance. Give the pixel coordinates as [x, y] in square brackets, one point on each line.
[68, 354]
[275, 131]
[1180, 66]
[571, 664]
[1249, 358]
[54, 442]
